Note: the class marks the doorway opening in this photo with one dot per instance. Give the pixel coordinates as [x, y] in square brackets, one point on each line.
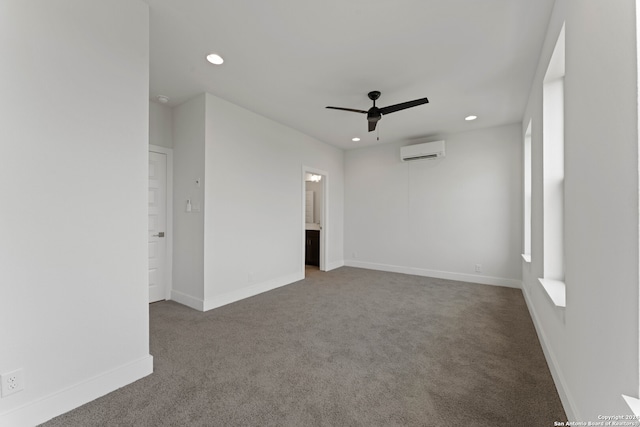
[315, 219]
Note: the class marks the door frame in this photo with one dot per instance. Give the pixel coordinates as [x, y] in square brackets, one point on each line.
[324, 239]
[169, 228]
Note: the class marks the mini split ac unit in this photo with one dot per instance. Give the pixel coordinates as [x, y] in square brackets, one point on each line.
[428, 150]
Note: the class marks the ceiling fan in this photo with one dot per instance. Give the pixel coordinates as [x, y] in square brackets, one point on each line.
[375, 114]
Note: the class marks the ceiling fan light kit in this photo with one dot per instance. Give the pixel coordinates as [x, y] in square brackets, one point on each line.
[374, 114]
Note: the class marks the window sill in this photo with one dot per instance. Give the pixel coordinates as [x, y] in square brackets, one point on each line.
[526, 258]
[556, 290]
[633, 403]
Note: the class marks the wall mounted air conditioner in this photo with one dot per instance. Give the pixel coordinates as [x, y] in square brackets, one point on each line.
[428, 150]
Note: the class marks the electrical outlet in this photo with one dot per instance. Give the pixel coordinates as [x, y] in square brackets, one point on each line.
[12, 382]
[478, 268]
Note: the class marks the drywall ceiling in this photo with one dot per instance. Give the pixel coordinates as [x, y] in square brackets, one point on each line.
[288, 59]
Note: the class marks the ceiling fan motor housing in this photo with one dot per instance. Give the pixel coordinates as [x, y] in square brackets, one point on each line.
[373, 115]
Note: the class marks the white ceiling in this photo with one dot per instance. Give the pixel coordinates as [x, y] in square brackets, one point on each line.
[288, 59]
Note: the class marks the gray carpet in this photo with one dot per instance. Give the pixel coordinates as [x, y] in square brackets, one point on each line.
[348, 347]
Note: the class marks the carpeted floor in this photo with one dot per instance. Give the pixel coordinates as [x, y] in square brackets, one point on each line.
[348, 347]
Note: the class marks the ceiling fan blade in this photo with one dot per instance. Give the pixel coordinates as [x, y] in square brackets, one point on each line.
[404, 105]
[348, 109]
[372, 126]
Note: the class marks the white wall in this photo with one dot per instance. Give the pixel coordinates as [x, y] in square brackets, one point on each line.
[73, 222]
[249, 234]
[439, 217]
[254, 230]
[188, 227]
[592, 345]
[160, 125]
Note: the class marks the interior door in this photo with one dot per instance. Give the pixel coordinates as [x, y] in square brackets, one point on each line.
[157, 226]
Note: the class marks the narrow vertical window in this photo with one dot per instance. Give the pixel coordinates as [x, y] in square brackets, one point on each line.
[634, 403]
[527, 194]
[553, 175]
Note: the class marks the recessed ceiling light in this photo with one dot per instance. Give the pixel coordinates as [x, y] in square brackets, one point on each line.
[356, 139]
[469, 118]
[214, 58]
[163, 99]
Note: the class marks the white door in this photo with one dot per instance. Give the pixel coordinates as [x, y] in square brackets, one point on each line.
[157, 226]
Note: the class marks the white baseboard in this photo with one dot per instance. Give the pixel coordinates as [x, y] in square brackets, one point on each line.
[239, 294]
[188, 300]
[463, 277]
[554, 367]
[48, 407]
[334, 264]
